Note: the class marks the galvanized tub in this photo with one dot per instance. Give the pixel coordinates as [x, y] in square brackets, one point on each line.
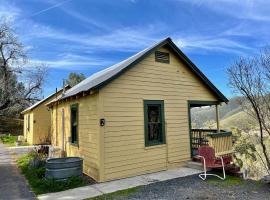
[63, 168]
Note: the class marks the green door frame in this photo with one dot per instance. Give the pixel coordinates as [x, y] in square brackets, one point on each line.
[192, 104]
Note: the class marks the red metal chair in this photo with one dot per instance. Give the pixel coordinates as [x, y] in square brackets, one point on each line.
[209, 160]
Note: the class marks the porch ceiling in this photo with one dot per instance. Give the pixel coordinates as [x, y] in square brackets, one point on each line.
[193, 104]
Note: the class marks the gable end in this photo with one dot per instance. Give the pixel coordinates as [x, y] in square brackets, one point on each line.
[182, 57]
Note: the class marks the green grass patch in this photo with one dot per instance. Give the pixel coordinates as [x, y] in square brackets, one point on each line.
[120, 193]
[38, 182]
[8, 140]
[229, 181]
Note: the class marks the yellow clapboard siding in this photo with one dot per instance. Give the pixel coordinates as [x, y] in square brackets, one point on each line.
[117, 150]
[125, 152]
[40, 123]
[137, 166]
[138, 155]
[88, 130]
[134, 172]
[141, 162]
[138, 150]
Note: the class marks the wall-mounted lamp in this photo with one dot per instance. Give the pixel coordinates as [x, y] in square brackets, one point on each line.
[102, 122]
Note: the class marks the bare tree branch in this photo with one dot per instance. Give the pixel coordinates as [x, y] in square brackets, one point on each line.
[250, 77]
[20, 81]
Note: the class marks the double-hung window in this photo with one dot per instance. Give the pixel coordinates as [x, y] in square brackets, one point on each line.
[74, 123]
[154, 123]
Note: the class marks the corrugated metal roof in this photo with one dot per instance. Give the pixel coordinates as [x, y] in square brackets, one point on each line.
[37, 103]
[100, 78]
[104, 75]
[43, 100]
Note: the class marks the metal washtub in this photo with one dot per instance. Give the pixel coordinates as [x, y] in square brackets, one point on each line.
[63, 168]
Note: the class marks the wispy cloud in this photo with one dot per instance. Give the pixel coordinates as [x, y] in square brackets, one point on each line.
[125, 39]
[85, 19]
[50, 8]
[69, 43]
[244, 9]
[72, 64]
[218, 44]
[9, 11]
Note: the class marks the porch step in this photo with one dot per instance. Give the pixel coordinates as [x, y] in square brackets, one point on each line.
[195, 165]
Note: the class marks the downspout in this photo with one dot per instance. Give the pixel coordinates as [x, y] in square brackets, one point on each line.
[217, 118]
[56, 117]
[167, 146]
[63, 125]
[63, 134]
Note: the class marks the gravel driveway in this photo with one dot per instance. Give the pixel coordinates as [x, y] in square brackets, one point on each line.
[192, 187]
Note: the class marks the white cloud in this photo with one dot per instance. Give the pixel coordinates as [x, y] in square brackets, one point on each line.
[244, 9]
[124, 39]
[86, 19]
[69, 44]
[71, 62]
[55, 5]
[217, 44]
[8, 11]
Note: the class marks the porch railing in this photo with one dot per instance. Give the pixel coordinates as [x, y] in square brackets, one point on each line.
[220, 141]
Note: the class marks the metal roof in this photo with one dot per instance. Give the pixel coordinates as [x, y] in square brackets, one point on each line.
[43, 100]
[101, 78]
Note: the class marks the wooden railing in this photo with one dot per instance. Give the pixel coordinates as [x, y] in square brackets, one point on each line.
[220, 141]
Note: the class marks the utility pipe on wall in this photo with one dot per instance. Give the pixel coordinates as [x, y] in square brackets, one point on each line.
[63, 133]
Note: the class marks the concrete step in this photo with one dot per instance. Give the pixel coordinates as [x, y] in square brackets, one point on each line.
[195, 165]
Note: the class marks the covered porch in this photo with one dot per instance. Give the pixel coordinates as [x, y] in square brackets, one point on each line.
[220, 140]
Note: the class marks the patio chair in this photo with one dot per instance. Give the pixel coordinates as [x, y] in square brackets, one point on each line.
[210, 161]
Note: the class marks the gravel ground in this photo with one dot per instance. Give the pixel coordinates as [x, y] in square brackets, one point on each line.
[192, 187]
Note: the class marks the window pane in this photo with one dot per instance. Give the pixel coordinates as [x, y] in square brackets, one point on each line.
[153, 123]
[74, 116]
[74, 123]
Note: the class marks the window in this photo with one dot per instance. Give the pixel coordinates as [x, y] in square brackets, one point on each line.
[74, 123]
[28, 122]
[162, 57]
[154, 123]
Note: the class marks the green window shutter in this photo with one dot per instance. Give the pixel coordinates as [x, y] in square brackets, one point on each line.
[154, 122]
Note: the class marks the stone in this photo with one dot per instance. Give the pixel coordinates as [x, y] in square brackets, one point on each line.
[266, 179]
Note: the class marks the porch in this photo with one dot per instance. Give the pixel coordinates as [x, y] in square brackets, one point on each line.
[220, 140]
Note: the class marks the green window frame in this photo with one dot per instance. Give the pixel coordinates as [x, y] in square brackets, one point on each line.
[74, 125]
[158, 124]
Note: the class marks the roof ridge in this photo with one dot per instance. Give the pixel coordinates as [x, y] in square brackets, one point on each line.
[101, 78]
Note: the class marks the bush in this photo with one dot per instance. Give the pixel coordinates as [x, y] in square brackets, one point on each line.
[33, 167]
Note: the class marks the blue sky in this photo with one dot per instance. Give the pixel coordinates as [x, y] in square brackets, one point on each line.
[87, 36]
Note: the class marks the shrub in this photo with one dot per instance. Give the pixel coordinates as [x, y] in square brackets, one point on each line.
[8, 140]
[33, 167]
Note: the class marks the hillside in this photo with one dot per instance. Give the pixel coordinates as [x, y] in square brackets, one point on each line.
[231, 115]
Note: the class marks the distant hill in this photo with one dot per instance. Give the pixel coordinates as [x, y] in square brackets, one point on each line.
[231, 115]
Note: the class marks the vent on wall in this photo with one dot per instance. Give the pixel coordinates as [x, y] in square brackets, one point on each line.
[162, 57]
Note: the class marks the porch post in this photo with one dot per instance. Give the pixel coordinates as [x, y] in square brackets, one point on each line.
[217, 118]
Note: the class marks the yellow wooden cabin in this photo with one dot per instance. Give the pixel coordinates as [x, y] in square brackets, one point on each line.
[134, 117]
[37, 121]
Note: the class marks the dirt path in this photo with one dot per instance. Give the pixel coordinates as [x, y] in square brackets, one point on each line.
[12, 183]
